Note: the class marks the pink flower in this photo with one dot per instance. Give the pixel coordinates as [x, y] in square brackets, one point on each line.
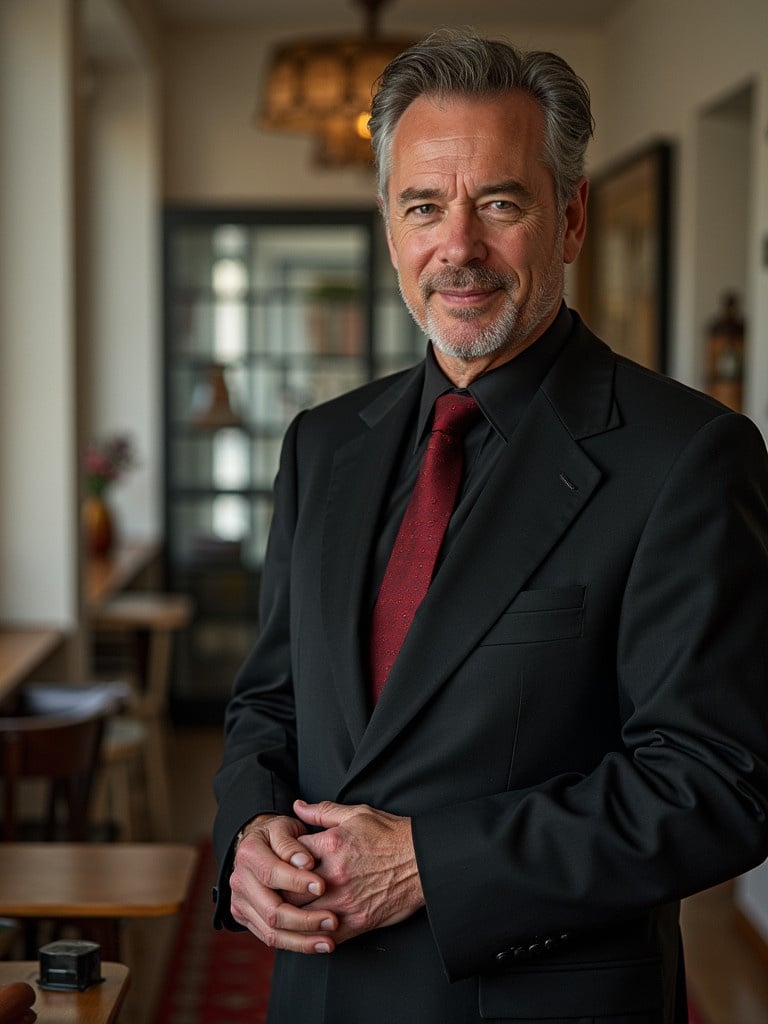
[106, 460]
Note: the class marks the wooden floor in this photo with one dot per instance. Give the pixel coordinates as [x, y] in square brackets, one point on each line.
[729, 979]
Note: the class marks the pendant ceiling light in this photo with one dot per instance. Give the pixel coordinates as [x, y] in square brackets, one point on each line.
[322, 87]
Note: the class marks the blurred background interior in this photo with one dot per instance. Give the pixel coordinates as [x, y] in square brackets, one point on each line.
[190, 253]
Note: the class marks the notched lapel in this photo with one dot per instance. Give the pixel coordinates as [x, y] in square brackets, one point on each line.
[356, 491]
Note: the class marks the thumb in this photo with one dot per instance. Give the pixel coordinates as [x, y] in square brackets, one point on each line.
[324, 814]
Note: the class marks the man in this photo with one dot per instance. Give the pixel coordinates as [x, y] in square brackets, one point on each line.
[570, 735]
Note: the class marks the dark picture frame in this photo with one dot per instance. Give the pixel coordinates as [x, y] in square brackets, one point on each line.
[623, 270]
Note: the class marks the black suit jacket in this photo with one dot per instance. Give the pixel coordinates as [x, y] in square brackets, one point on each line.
[577, 719]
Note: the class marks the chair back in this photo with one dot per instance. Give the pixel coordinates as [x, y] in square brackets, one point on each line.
[62, 748]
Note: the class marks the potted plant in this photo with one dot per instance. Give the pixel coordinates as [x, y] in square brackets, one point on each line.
[106, 460]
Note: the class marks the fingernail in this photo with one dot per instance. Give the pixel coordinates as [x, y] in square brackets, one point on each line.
[326, 925]
[315, 888]
[322, 947]
[300, 860]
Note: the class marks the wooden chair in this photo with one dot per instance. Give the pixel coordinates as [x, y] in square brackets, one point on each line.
[149, 620]
[62, 748]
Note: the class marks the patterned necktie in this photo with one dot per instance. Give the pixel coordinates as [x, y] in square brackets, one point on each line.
[412, 562]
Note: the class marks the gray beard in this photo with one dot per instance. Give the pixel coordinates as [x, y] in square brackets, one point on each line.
[511, 328]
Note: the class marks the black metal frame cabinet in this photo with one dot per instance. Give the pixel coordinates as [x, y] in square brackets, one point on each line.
[266, 312]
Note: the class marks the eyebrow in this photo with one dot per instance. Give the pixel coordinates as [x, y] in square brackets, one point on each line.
[511, 187]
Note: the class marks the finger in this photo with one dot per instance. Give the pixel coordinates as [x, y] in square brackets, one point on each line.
[280, 926]
[281, 834]
[290, 850]
[325, 814]
[298, 899]
[274, 874]
[256, 856]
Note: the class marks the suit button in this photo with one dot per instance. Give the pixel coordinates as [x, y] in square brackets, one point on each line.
[550, 944]
[565, 937]
[520, 953]
[501, 957]
[535, 948]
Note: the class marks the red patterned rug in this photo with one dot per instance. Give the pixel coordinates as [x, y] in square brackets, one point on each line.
[221, 977]
[213, 977]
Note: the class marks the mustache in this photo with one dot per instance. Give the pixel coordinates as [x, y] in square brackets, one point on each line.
[466, 279]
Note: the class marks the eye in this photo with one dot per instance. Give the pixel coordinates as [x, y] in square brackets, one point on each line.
[504, 206]
[422, 210]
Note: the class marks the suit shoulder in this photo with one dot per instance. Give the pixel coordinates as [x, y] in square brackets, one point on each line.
[356, 402]
[673, 412]
[663, 413]
[325, 426]
[663, 391]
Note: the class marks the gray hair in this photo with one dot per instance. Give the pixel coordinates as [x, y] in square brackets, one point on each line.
[453, 63]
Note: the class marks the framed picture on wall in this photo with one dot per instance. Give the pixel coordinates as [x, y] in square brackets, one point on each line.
[623, 270]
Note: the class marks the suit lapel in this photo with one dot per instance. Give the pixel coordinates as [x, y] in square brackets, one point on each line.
[358, 486]
[542, 482]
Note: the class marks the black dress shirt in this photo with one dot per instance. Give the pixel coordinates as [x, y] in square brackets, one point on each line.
[503, 395]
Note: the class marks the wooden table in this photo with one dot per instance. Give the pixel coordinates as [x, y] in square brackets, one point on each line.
[99, 1004]
[21, 651]
[114, 572]
[100, 883]
[112, 880]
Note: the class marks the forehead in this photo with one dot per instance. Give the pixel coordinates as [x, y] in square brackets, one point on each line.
[500, 135]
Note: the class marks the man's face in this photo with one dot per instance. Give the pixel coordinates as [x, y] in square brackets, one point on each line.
[473, 228]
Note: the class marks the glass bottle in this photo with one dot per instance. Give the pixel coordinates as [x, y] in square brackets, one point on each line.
[725, 353]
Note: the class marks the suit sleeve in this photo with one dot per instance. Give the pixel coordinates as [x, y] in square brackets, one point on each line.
[258, 771]
[683, 803]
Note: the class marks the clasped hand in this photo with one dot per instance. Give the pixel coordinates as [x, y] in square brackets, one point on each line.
[309, 892]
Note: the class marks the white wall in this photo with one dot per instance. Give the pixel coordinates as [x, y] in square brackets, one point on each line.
[214, 152]
[124, 364]
[38, 502]
[79, 292]
[666, 61]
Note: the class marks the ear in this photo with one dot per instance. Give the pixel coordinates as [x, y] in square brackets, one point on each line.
[575, 222]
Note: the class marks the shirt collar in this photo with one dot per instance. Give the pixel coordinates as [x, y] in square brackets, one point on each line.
[503, 393]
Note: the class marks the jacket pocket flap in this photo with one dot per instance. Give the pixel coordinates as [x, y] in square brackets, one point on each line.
[548, 599]
[587, 991]
[536, 616]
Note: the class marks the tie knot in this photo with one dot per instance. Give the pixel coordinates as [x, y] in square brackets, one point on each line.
[455, 414]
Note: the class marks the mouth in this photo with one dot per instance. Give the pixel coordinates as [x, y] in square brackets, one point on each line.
[465, 303]
[465, 289]
[465, 297]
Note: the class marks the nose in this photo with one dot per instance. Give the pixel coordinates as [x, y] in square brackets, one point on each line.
[461, 239]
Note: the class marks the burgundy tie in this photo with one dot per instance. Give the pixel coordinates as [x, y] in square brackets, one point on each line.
[412, 562]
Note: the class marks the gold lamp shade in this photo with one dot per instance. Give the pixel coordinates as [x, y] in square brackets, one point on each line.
[323, 87]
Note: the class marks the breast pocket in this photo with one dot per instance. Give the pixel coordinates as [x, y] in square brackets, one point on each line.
[538, 616]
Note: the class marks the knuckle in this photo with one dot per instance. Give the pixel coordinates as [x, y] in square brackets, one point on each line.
[311, 923]
[337, 874]
[270, 917]
[267, 875]
[334, 840]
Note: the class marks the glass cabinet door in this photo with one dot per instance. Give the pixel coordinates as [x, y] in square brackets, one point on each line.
[265, 314]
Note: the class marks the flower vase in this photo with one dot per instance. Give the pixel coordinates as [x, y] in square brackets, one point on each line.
[98, 525]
